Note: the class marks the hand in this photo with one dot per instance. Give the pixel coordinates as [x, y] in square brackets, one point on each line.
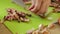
[39, 6]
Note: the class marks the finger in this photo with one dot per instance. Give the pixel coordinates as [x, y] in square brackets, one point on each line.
[37, 5]
[47, 5]
[32, 6]
[44, 7]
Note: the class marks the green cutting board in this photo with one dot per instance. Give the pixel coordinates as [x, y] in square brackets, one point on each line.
[22, 27]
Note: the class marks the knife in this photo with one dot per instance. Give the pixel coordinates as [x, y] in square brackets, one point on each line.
[20, 2]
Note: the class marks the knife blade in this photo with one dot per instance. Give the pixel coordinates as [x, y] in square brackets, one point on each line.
[20, 2]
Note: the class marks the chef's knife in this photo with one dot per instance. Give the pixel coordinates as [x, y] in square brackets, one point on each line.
[20, 2]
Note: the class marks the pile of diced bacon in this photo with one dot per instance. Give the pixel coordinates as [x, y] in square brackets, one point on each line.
[16, 15]
[48, 29]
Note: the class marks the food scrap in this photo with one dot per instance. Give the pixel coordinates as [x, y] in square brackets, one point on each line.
[56, 5]
[16, 15]
[45, 29]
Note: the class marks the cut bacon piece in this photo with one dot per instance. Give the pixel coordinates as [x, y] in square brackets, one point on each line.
[59, 20]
